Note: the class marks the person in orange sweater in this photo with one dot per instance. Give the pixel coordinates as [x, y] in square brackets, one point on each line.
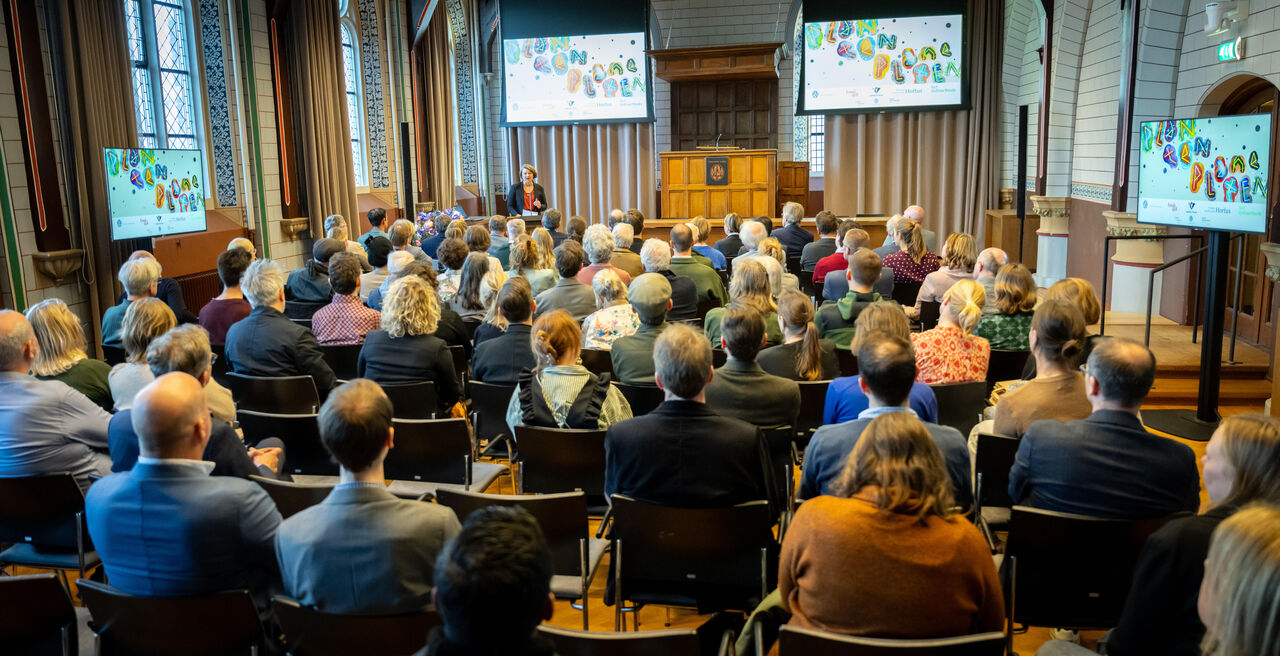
[888, 558]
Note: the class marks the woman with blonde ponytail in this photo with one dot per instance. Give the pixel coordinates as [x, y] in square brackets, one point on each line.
[1057, 391]
[801, 355]
[913, 262]
[951, 353]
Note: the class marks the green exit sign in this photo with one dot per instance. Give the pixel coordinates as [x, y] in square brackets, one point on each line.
[1231, 50]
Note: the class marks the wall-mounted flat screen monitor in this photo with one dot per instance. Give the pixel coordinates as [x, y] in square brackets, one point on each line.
[154, 192]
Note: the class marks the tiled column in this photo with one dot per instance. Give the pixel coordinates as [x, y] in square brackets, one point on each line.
[1132, 261]
[1051, 247]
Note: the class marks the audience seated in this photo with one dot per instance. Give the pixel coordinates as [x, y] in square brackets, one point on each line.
[632, 355]
[656, 256]
[1009, 326]
[551, 222]
[186, 349]
[345, 320]
[140, 278]
[835, 260]
[635, 219]
[166, 528]
[890, 245]
[951, 353]
[741, 389]
[958, 257]
[916, 213]
[247, 245]
[576, 228]
[615, 317]
[525, 260]
[499, 566]
[449, 326]
[228, 307]
[1239, 593]
[623, 258]
[835, 283]
[397, 262]
[62, 356]
[887, 556]
[835, 321]
[377, 216]
[1078, 292]
[499, 244]
[45, 426]
[888, 372]
[477, 240]
[167, 289]
[405, 349]
[845, 398]
[684, 453]
[468, 302]
[780, 278]
[401, 236]
[597, 243]
[335, 227]
[307, 288]
[1057, 392]
[705, 279]
[560, 393]
[802, 355]
[732, 242]
[362, 550]
[379, 249]
[984, 271]
[1107, 465]
[452, 255]
[791, 235]
[267, 343]
[439, 225]
[748, 288]
[501, 358]
[144, 321]
[752, 233]
[546, 250]
[912, 262]
[568, 294]
[825, 245]
[702, 229]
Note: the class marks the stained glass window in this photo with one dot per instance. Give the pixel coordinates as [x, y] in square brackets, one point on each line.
[160, 51]
[355, 118]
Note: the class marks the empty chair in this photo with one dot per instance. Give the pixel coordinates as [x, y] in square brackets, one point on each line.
[431, 453]
[305, 455]
[280, 394]
[217, 624]
[342, 359]
[848, 362]
[991, 465]
[905, 293]
[309, 632]
[489, 412]
[670, 642]
[929, 312]
[794, 640]
[416, 400]
[1005, 365]
[560, 460]
[960, 404]
[642, 398]
[597, 361]
[38, 616]
[44, 517]
[292, 498]
[575, 554]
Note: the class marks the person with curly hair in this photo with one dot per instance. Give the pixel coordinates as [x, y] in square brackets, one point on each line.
[405, 349]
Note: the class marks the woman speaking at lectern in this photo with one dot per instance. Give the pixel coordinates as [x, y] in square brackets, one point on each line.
[526, 198]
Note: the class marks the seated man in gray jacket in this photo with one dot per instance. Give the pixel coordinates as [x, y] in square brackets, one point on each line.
[362, 550]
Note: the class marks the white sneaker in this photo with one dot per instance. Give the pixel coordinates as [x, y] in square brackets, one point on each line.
[1065, 634]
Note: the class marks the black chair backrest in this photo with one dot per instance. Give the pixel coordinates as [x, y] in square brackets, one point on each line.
[793, 266]
[597, 361]
[309, 632]
[279, 394]
[563, 518]
[220, 623]
[219, 365]
[560, 459]
[435, 450]
[461, 366]
[42, 510]
[905, 293]
[113, 355]
[992, 463]
[780, 440]
[817, 291]
[416, 400]
[929, 313]
[304, 452]
[342, 359]
[813, 396]
[711, 553]
[705, 306]
[292, 498]
[848, 362]
[794, 640]
[37, 616]
[1072, 571]
[1005, 365]
[806, 283]
[489, 408]
[470, 325]
[959, 404]
[718, 357]
[669, 642]
[642, 398]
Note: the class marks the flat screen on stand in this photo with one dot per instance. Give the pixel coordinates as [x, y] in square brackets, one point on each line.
[154, 192]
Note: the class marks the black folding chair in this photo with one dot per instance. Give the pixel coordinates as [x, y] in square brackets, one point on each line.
[305, 455]
[342, 359]
[412, 400]
[560, 460]
[669, 642]
[461, 365]
[292, 498]
[905, 293]
[806, 285]
[219, 365]
[718, 357]
[309, 632]
[960, 404]
[813, 398]
[575, 554]
[433, 453]
[489, 413]
[705, 306]
[797, 641]
[929, 313]
[217, 624]
[597, 361]
[278, 394]
[113, 355]
[992, 463]
[471, 324]
[38, 616]
[793, 266]
[642, 398]
[848, 362]
[1005, 365]
[43, 516]
[817, 291]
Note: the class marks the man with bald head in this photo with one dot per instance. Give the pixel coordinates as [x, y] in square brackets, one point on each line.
[1107, 464]
[45, 426]
[167, 289]
[916, 213]
[984, 272]
[167, 528]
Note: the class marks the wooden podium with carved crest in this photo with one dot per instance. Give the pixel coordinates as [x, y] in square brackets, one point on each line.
[713, 183]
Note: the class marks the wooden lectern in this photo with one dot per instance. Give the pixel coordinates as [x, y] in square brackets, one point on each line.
[750, 188]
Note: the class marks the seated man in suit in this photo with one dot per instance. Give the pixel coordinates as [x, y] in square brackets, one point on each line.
[835, 321]
[791, 235]
[140, 277]
[186, 349]
[500, 359]
[499, 566]
[267, 343]
[362, 550]
[168, 289]
[623, 257]
[835, 282]
[705, 279]
[439, 225]
[1107, 464]
[887, 370]
[308, 289]
[656, 256]
[632, 355]
[683, 453]
[169, 529]
[568, 294]
[551, 221]
[500, 241]
[742, 389]
[825, 244]
[732, 242]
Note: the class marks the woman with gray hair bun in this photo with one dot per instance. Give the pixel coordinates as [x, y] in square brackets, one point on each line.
[615, 317]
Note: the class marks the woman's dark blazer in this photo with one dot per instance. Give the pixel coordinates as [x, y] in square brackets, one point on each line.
[516, 201]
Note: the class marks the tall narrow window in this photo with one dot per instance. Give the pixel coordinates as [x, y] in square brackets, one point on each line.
[817, 144]
[160, 51]
[355, 117]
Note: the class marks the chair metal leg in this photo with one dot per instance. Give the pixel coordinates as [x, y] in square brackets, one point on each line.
[585, 573]
[97, 644]
[1013, 601]
[466, 476]
[617, 585]
[66, 640]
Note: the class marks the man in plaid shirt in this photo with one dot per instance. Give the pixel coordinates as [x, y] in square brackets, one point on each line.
[346, 319]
